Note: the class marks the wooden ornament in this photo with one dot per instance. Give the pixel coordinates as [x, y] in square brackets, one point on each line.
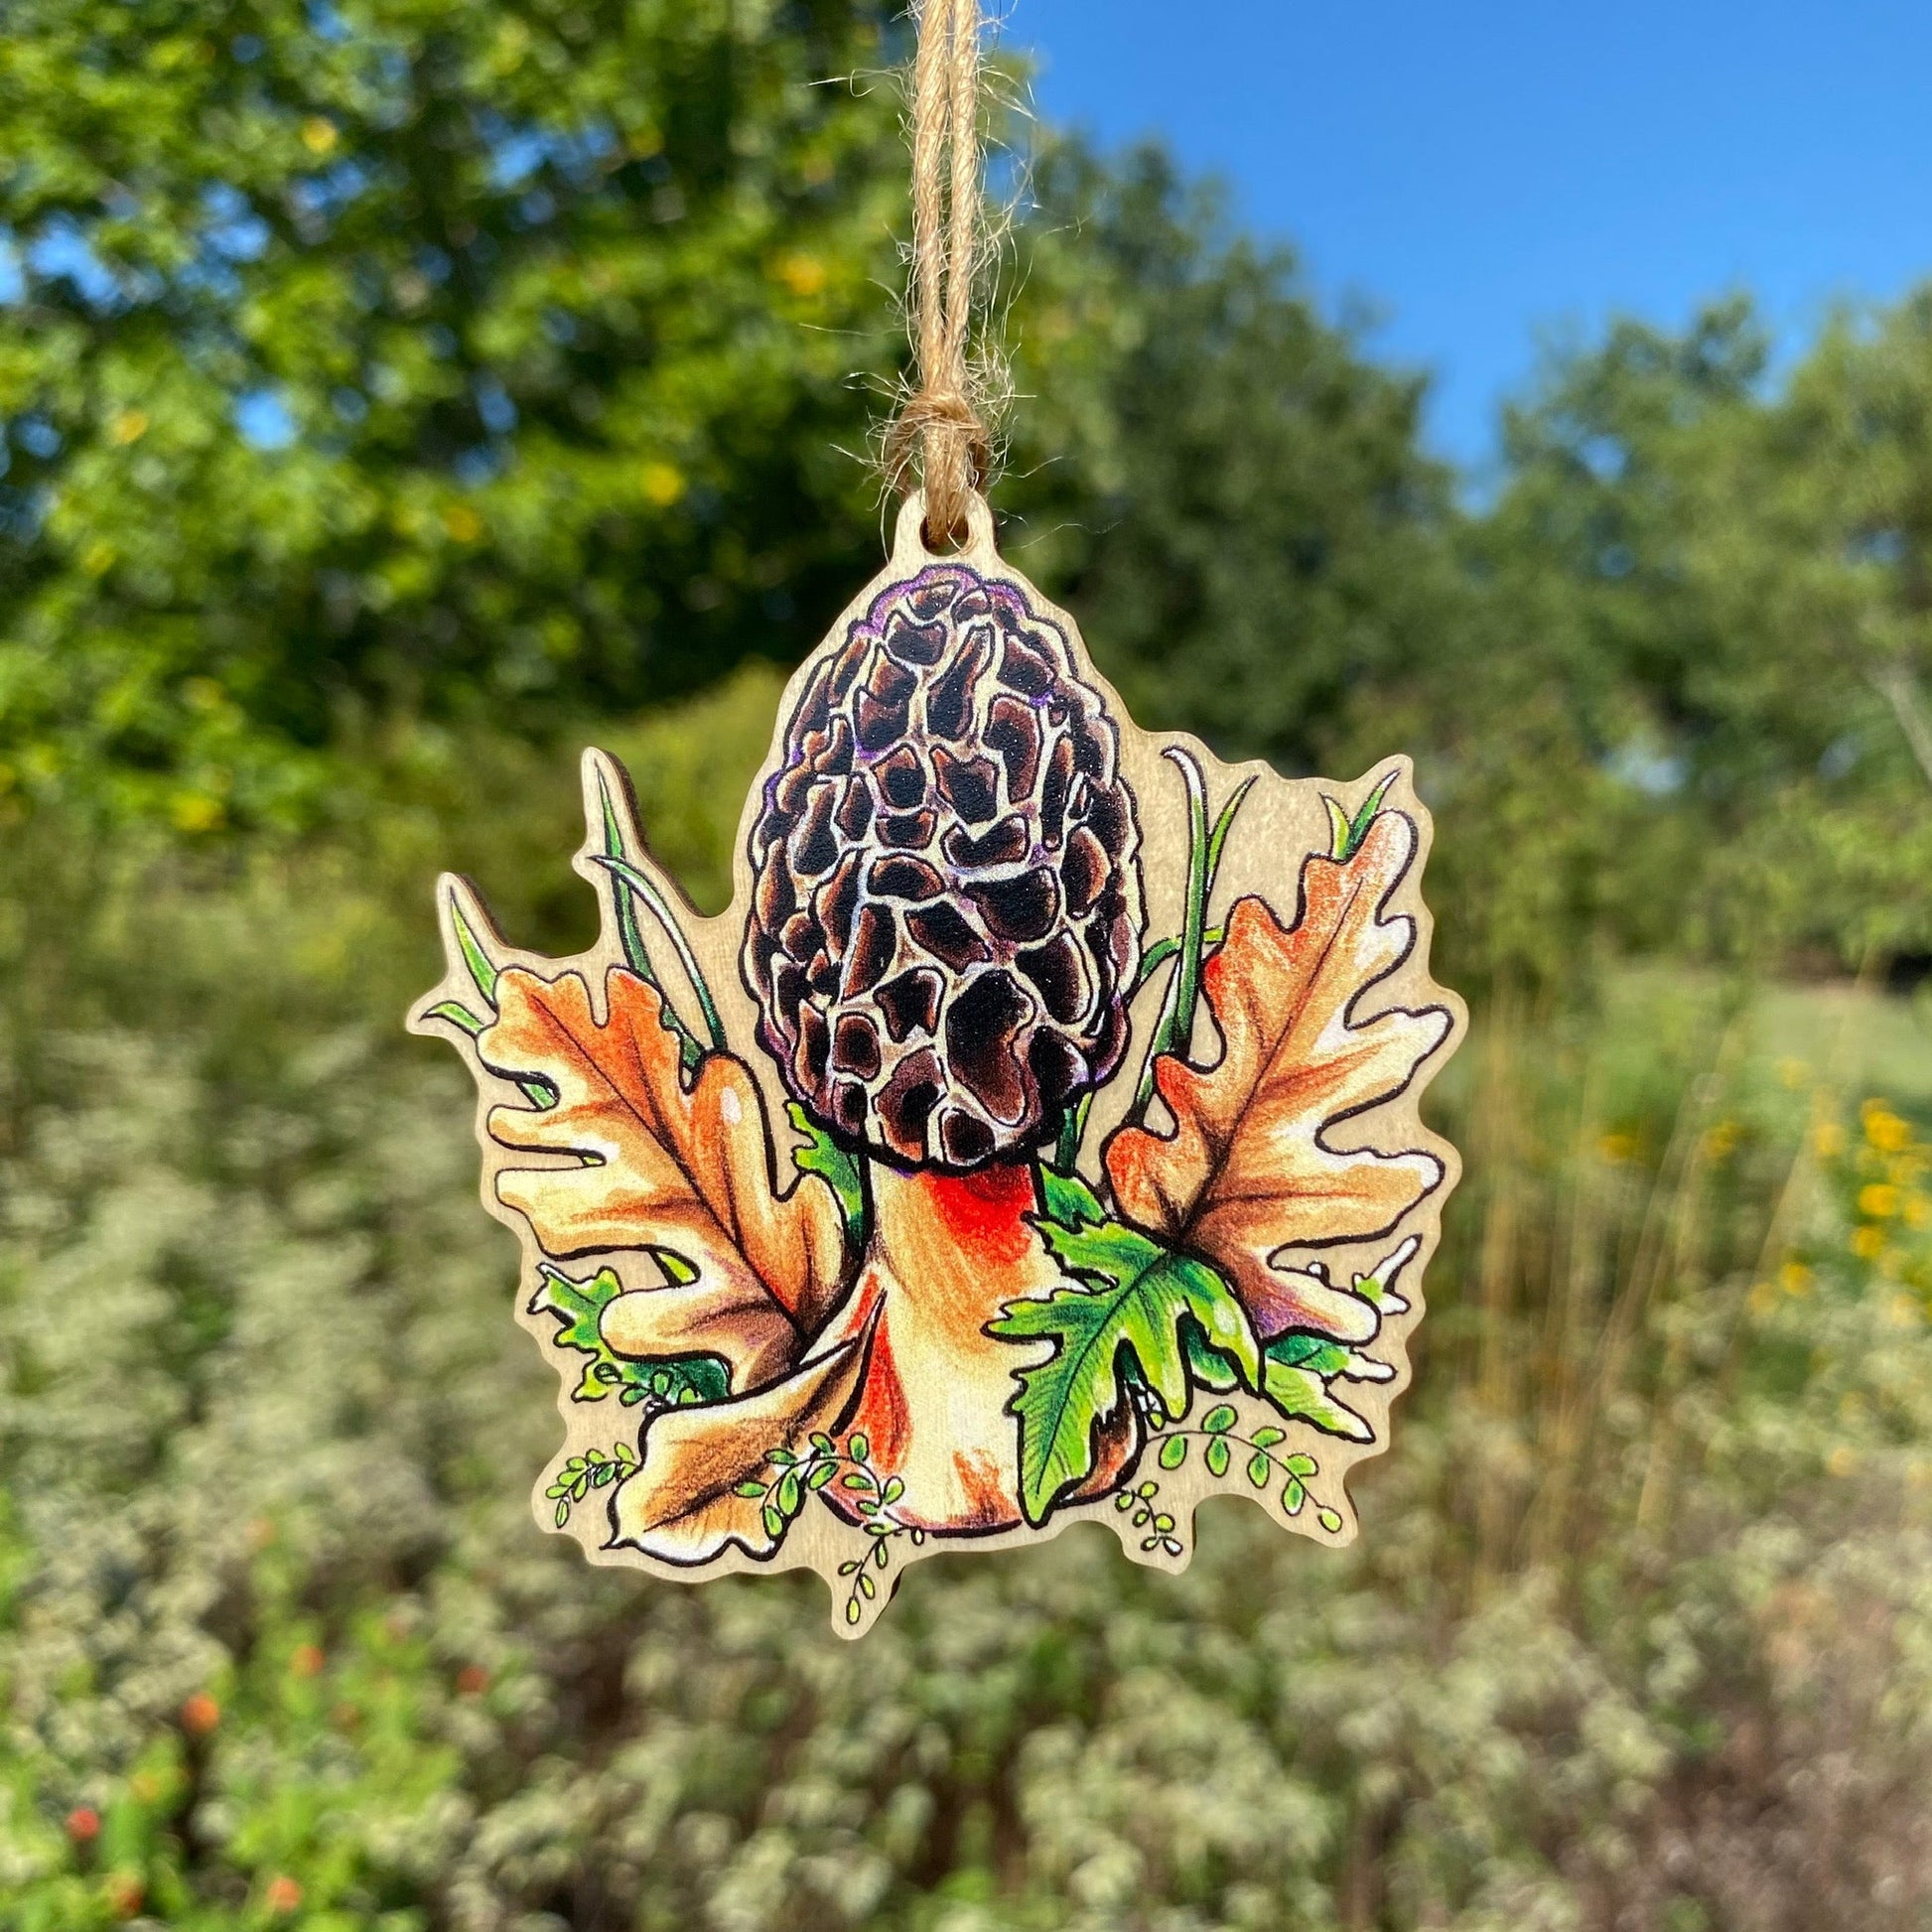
[1034, 1138]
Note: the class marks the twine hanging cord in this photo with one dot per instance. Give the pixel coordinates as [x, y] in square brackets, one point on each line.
[939, 428]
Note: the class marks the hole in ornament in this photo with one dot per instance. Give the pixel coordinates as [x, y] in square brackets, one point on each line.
[948, 543]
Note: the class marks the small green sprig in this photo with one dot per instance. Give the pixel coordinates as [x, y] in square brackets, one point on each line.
[1160, 1526]
[1264, 1464]
[590, 1470]
[783, 1494]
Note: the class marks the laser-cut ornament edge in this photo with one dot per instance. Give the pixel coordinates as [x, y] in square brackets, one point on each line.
[935, 1282]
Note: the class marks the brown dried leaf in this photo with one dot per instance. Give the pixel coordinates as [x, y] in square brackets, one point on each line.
[652, 1164]
[682, 1504]
[1251, 1169]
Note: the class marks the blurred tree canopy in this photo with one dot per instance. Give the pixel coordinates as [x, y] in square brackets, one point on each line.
[381, 372]
[403, 358]
[1726, 580]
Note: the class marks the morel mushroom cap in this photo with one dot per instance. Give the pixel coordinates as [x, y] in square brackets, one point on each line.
[946, 922]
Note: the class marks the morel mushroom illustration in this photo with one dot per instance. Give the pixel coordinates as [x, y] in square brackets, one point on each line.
[943, 937]
[914, 1314]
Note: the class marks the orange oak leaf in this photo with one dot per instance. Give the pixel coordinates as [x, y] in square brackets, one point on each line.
[684, 1503]
[637, 1159]
[1252, 1167]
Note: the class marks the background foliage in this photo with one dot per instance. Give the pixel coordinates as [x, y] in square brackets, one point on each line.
[396, 393]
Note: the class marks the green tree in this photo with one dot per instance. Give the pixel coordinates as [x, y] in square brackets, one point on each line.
[412, 358]
[1220, 482]
[410, 364]
[1713, 592]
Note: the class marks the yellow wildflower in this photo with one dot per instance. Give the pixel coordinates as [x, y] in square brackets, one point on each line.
[1884, 1129]
[1828, 1138]
[1867, 1243]
[1617, 1148]
[1878, 1200]
[1795, 1277]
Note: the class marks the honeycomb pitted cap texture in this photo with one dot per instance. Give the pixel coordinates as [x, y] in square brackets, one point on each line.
[944, 930]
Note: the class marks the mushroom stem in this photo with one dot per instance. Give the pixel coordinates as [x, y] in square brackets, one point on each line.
[947, 1252]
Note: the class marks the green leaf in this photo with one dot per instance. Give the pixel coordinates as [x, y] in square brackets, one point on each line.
[578, 1306]
[1337, 828]
[1331, 1520]
[1174, 1024]
[858, 1449]
[483, 969]
[677, 1269]
[1303, 1396]
[821, 1474]
[1300, 1380]
[824, 1157]
[563, 1513]
[1174, 1453]
[1223, 825]
[1069, 1202]
[637, 954]
[1315, 1354]
[1294, 1497]
[790, 1494]
[1349, 833]
[1218, 1421]
[1217, 1456]
[647, 890]
[1210, 1368]
[1267, 1438]
[1143, 1298]
[1363, 819]
[1073, 1130]
[1260, 1468]
[775, 1524]
[456, 1015]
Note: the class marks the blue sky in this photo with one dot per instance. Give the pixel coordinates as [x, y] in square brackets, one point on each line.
[1490, 173]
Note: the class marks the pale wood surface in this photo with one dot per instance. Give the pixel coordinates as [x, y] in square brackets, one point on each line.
[1282, 822]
